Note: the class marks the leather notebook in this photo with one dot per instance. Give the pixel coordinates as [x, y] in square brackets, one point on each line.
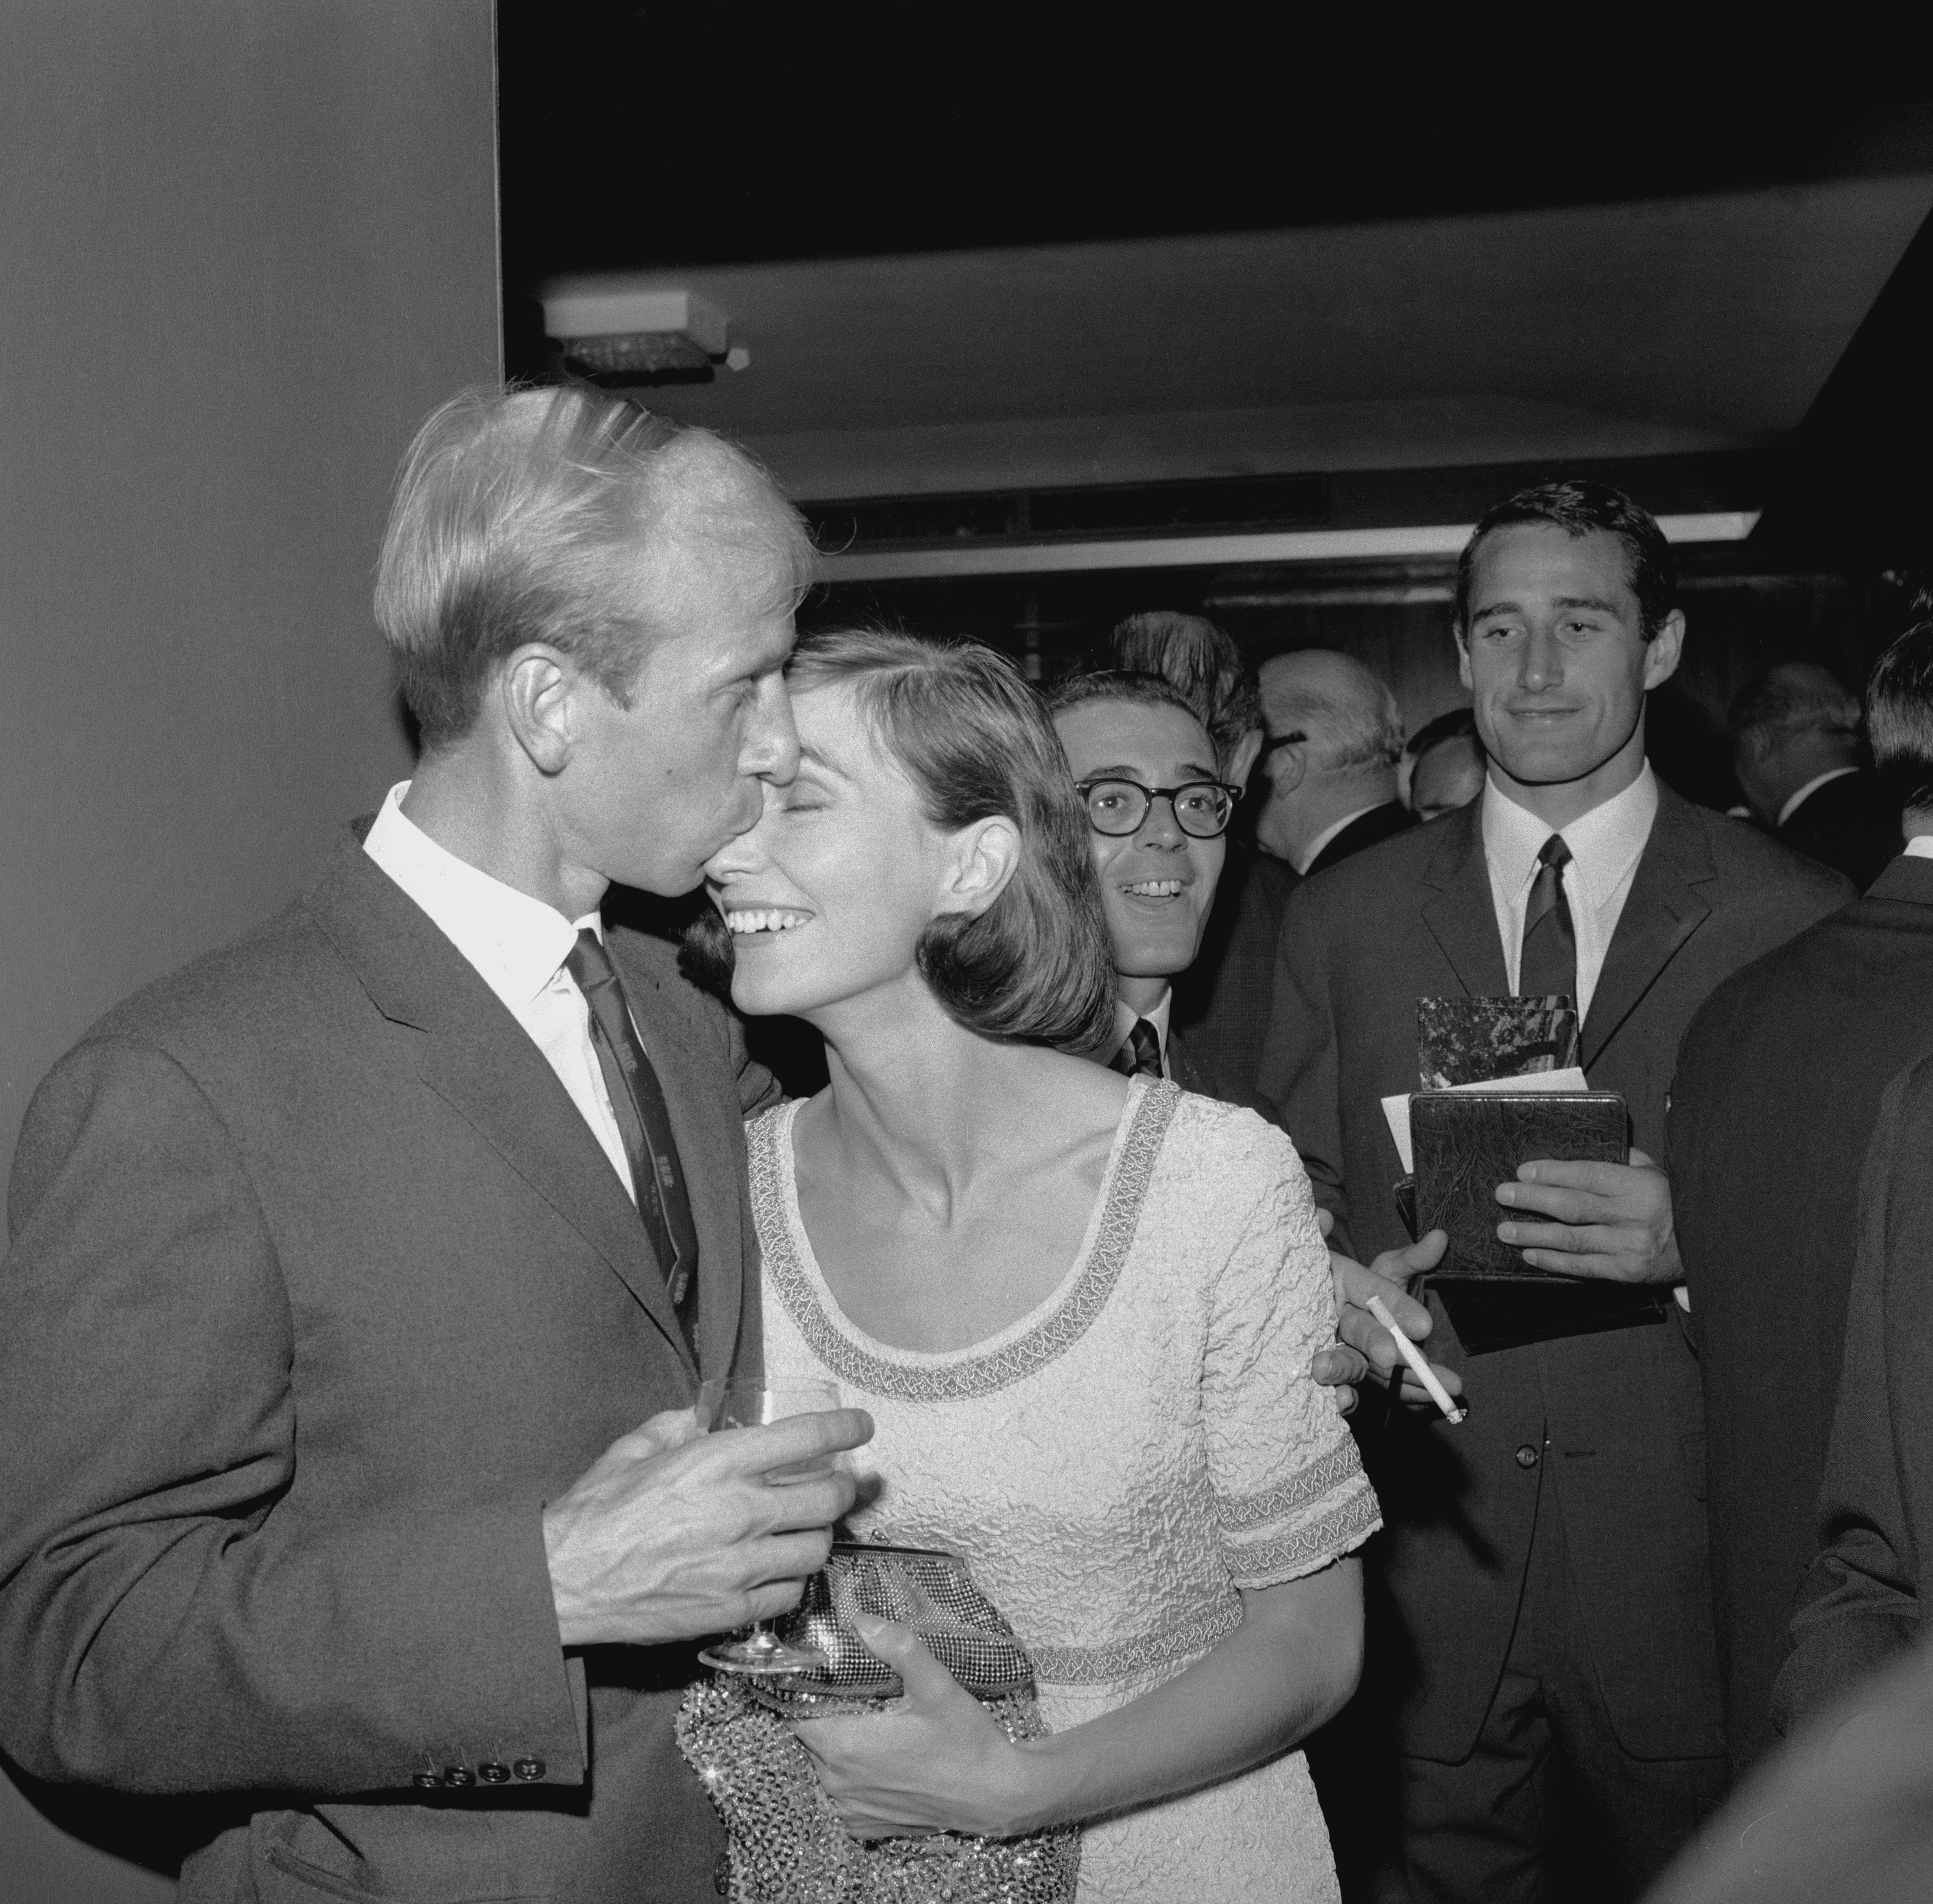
[1466, 1144]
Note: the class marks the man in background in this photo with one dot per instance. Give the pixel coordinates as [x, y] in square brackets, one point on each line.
[363, 1273]
[1222, 1001]
[1864, 1601]
[1335, 740]
[1447, 763]
[1157, 810]
[1802, 766]
[1560, 1728]
[1778, 1087]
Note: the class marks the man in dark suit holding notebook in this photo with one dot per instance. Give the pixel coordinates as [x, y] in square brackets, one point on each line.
[1547, 1560]
[363, 1273]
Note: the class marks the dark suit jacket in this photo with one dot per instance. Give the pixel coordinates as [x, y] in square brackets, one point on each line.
[1379, 823]
[1412, 918]
[319, 1288]
[1221, 1001]
[1849, 824]
[1864, 1602]
[1185, 1068]
[1778, 1085]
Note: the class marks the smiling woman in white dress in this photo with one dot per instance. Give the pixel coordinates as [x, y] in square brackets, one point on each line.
[1080, 1309]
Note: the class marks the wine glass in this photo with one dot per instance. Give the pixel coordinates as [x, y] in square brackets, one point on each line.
[723, 1405]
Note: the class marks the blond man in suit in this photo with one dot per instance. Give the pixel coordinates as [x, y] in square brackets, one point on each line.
[362, 1273]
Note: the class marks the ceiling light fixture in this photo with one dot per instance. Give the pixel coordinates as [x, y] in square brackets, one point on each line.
[1215, 551]
[654, 336]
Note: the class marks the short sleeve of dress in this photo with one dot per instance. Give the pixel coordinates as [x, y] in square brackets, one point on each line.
[1290, 1491]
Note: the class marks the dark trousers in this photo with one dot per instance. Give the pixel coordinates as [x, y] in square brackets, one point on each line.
[1549, 1808]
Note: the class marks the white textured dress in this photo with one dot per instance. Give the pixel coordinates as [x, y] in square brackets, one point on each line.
[1115, 1464]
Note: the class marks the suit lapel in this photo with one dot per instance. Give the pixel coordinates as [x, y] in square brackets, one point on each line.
[1662, 912]
[1906, 879]
[702, 1123]
[1185, 1070]
[1461, 914]
[482, 1064]
[531, 1122]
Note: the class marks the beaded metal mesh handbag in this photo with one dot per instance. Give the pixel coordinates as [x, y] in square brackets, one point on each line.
[788, 1845]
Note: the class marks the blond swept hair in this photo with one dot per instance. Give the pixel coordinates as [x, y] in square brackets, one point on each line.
[532, 516]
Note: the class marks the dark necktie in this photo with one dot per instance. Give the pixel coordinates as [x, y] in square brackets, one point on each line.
[1550, 960]
[643, 1123]
[1140, 1055]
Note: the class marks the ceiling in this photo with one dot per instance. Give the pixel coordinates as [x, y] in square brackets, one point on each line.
[1680, 326]
[959, 269]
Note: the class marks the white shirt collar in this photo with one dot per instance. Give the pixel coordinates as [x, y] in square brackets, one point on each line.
[1125, 1015]
[1604, 843]
[1313, 851]
[1805, 792]
[516, 943]
[1919, 847]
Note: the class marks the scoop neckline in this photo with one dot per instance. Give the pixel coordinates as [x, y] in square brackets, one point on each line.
[1045, 1332]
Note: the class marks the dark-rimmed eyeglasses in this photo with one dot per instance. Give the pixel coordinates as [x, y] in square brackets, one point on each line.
[1202, 808]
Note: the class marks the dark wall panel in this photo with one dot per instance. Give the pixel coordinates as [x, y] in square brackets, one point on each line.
[246, 247]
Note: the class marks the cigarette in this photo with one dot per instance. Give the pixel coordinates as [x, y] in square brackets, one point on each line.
[1412, 1354]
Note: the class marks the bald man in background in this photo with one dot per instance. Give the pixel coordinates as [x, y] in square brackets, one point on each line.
[1798, 749]
[1335, 740]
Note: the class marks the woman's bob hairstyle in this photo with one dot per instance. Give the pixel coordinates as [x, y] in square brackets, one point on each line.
[959, 721]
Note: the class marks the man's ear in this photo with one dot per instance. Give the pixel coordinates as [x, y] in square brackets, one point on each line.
[537, 689]
[1287, 768]
[1241, 762]
[1462, 642]
[1662, 651]
[985, 856]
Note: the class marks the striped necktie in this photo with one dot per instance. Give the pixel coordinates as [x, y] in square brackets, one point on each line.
[1140, 1054]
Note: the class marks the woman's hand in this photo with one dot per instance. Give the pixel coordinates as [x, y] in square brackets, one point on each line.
[935, 1762]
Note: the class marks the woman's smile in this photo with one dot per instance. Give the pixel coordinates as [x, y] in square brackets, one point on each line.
[747, 923]
[1157, 892]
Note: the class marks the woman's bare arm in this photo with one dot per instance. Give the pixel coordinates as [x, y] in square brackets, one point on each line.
[938, 1762]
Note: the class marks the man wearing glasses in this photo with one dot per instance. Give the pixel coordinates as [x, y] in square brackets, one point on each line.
[1145, 767]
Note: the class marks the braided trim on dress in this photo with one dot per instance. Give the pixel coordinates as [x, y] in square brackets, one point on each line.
[972, 1375]
[1100, 1665]
[1345, 1526]
[1239, 1513]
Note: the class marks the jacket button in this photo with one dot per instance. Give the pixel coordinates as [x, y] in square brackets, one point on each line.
[1526, 1456]
[527, 1769]
[493, 1773]
[429, 1781]
[458, 1775]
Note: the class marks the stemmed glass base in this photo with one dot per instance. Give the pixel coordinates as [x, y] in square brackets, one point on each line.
[725, 1404]
[762, 1650]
